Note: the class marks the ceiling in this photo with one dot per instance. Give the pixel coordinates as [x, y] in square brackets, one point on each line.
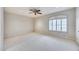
[25, 10]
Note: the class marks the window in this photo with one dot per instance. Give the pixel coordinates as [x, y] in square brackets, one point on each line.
[58, 24]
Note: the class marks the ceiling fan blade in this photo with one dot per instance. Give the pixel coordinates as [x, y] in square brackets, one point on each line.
[38, 10]
[39, 13]
[31, 9]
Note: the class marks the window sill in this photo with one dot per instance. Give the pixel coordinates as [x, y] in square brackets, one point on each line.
[58, 31]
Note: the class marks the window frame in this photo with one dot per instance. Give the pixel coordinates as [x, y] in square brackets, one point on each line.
[56, 17]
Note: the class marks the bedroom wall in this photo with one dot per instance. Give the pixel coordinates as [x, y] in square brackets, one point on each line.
[77, 25]
[41, 24]
[1, 28]
[17, 25]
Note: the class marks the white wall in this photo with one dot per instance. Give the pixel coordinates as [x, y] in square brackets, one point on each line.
[41, 25]
[77, 24]
[1, 28]
[17, 25]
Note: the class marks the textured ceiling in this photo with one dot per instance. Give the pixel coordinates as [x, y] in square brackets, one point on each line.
[25, 10]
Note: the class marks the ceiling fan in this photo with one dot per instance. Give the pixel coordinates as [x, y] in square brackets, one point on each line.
[35, 11]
